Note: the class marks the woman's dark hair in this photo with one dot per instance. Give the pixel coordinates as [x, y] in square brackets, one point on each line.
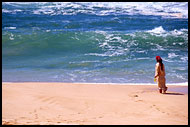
[160, 61]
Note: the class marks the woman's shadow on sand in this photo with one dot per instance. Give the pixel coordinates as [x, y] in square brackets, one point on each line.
[174, 93]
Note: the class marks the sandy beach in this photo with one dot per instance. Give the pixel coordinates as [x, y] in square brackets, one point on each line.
[92, 104]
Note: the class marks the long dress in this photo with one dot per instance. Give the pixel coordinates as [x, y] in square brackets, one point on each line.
[160, 75]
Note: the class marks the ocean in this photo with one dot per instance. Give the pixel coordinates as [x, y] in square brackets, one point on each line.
[94, 42]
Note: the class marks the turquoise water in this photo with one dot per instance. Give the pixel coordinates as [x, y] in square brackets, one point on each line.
[94, 42]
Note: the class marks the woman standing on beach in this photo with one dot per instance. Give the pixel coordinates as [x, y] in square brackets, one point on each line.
[160, 75]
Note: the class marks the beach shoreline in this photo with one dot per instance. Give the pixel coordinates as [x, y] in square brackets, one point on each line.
[50, 103]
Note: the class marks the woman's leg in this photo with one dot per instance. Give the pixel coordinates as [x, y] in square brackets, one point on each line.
[160, 90]
[165, 89]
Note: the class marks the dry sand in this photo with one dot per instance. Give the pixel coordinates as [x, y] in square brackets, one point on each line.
[92, 104]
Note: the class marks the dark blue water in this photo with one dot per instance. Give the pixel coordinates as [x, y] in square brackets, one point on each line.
[94, 42]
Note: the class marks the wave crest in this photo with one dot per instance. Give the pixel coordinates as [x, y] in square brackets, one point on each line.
[164, 9]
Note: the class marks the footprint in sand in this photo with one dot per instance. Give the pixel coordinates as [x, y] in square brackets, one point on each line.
[139, 101]
[158, 109]
[133, 95]
[59, 116]
[22, 117]
[49, 100]
[6, 123]
[35, 114]
[136, 96]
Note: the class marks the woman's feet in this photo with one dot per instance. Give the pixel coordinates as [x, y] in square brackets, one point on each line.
[160, 90]
[164, 90]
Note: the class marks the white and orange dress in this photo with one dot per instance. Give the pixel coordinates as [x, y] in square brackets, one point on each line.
[160, 76]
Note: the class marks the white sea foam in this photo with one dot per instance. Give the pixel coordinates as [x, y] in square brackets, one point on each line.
[11, 11]
[11, 37]
[172, 55]
[11, 28]
[157, 30]
[181, 68]
[6, 82]
[6, 11]
[184, 59]
[167, 60]
[164, 9]
[144, 58]
[176, 84]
